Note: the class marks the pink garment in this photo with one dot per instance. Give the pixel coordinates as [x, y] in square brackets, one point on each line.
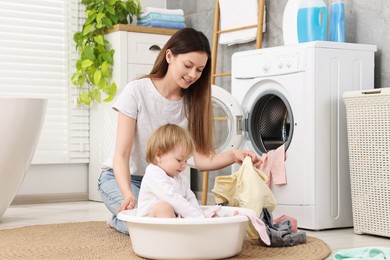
[273, 166]
[293, 221]
[210, 212]
[257, 223]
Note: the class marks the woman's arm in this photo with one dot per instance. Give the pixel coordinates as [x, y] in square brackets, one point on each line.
[224, 159]
[124, 142]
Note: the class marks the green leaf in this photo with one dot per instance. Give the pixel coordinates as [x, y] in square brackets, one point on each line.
[77, 36]
[90, 17]
[112, 2]
[78, 64]
[87, 29]
[114, 19]
[81, 81]
[105, 69]
[102, 84]
[111, 91]
[99, 17]
[123, 5]
[97, 77]
[108, 57]
[84, 99]
[86, 63]
[74, 78]
[99, 39]
[88, 51]
[95, 95]
[110, 9]
[107, 22]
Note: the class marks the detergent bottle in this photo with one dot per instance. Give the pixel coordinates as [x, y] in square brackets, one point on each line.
[304, 20]
[336, 21]
[290, 19]
[312, 21]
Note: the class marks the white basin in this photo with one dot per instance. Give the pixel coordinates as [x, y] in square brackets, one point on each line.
[187, 238]
[21, 121]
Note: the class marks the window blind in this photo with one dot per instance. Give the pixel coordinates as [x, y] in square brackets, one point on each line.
[37, 57]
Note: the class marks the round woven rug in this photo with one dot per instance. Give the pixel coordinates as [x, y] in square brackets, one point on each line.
[94, 240]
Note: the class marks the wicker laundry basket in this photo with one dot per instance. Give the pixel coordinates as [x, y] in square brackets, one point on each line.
[368, 124]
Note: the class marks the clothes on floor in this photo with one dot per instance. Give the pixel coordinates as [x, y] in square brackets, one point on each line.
[372, 253]
[281, 233]
[293, 221]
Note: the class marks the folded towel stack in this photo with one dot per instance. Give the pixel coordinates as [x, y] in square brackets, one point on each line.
[236, 14]
[161, 17]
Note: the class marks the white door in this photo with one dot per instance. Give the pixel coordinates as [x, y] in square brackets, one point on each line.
[228, 120]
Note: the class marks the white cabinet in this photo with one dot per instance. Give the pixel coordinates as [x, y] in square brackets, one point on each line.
[136, 49]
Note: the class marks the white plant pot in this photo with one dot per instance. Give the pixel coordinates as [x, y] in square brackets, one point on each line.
[21, 124]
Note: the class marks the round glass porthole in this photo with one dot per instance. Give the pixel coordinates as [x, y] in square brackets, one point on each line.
[270, 122]
[227, 117]
[222, 125]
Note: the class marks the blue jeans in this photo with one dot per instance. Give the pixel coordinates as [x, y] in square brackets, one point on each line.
[112, 196]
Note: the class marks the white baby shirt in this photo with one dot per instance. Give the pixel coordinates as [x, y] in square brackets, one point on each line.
[158, 186]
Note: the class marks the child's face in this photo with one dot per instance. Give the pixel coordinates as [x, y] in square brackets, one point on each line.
[174, 161]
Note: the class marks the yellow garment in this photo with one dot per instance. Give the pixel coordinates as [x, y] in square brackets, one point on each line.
[245, 188]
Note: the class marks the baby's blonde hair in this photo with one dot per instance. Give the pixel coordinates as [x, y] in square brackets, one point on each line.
[166, 138]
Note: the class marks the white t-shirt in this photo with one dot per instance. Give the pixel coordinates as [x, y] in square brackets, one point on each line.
[141, 101]
[158, 186]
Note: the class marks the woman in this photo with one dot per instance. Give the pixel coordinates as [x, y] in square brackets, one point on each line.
[177, 91]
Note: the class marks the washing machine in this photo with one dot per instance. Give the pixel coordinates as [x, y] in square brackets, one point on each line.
[292, 95]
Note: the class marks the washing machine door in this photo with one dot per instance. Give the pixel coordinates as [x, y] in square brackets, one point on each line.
[270, 121]
[228, 120]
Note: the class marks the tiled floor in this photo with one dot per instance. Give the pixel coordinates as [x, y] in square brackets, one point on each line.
[36, 214]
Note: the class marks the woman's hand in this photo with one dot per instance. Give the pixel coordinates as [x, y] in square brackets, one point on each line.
[224, 159]
[241, 154]
[128, 203]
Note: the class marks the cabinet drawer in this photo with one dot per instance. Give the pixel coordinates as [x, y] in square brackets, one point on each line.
[140, 47]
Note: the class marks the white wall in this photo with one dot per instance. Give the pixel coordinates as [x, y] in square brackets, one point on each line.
[55, 179]
[154, 3]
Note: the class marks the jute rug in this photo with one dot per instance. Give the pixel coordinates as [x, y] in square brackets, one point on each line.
[94, 240]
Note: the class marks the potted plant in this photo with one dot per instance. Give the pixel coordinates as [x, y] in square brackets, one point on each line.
[93, 75]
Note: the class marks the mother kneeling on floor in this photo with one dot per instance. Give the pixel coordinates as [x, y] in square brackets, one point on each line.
[177, 91]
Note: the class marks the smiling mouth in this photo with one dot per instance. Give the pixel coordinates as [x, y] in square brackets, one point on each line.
[188, 81]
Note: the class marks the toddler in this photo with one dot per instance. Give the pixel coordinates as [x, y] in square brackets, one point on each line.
[165, 192]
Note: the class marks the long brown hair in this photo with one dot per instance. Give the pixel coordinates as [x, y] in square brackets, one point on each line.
[197, 98]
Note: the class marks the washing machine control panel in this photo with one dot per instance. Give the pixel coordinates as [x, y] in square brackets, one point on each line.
[266, 63]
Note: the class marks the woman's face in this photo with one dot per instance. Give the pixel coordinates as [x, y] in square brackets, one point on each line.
[186, 68]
